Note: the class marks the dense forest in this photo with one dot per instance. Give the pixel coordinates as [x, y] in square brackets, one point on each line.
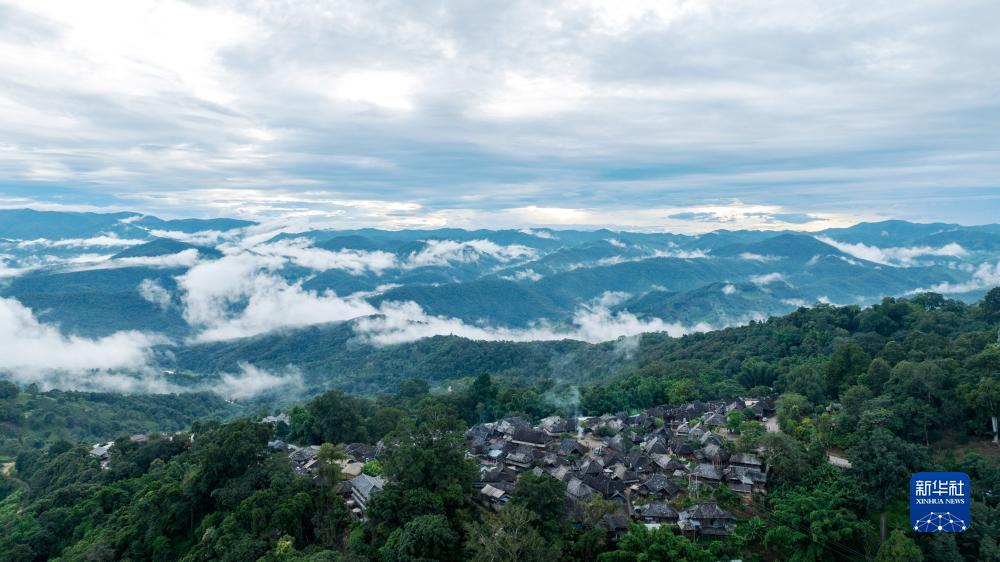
[32, 419]
[903, 386]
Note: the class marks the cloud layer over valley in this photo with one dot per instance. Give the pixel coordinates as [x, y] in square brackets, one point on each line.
[158, 295]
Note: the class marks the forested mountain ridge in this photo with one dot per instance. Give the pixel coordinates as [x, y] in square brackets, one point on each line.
[462, 274]
[33, 419]
[206, 297]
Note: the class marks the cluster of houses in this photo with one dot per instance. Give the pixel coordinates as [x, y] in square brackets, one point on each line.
[656, 465]
[357, 489]
[650, 463]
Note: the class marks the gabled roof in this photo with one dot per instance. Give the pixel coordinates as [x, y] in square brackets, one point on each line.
[615, 522]
[592, 467]
[492, 492]
[638, 459]
[707, 472]
[666, 462]
[616, 443]
[511, 424]
[100, 450]
[715, 420]
[660, 510]
[658, 483]
[696, 432]
[659, 411]
[710, 510]
[605, 486]
[556, 424]
[709, 437]
[657, 445]
[304, 455]
[576, 489]
[611, 458]
[484, 430]
[745, 458]
[624, 474]
[561, 472]
[496, 474]
[715, 453]
[533, 436]
[681, 447]
[520, 457]
[367, 485]
[361, 452]
[571, 446]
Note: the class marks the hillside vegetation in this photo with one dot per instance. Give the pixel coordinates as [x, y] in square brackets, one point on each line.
[904, 386]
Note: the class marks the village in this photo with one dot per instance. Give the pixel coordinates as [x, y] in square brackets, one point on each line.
[664, 466]
[659, 467]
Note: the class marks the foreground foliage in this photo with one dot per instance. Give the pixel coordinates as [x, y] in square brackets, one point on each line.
[904, 386]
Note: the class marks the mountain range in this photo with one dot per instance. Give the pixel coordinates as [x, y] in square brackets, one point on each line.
[140, 292]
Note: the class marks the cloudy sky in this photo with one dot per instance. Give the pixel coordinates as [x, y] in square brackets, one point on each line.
[664, 114]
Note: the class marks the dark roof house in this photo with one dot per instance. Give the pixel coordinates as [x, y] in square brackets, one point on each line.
[706, 519]
[659, 486]
[656, 512]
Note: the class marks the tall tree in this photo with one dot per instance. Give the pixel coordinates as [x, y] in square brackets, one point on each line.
[899, 547]
[642, 544]
[812, 524]
[426, 538]
[508, 537]
[846, 364]
[542, 495]
[985, 397]
[991, 304]
[883, 463]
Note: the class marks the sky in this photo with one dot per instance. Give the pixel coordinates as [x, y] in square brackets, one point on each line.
[680, 115]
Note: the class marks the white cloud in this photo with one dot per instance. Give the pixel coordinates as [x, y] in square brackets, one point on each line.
[251, 381]
[155, 293]
[896, 256]
[446, 252]
[985, 276]
[140, 48]
[201, 238]
[102, 241]
[302, 253]
[389, 90]
[766, 279]
[400, 322]
[524, 275]
[728, 289]
[31, 351]
[561, 100]
[184, 258]
[242, 295]
[695, 254]
[679, 254]
[596, 324]
[7, 270]
[520, 96]
[544, 234]
[750, 256]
